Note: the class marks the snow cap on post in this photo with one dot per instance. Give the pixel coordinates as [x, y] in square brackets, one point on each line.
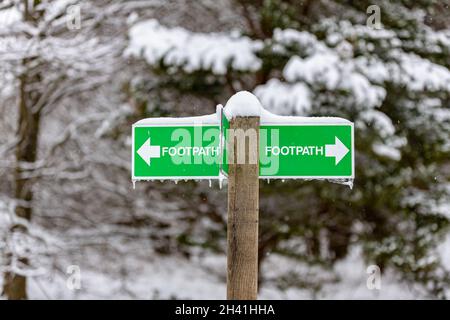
[243, 104]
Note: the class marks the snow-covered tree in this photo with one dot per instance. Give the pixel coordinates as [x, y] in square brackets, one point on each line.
[331, 58]
[71, 84]
[58, 60]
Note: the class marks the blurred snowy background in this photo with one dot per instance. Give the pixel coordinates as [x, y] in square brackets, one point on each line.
[74, 76]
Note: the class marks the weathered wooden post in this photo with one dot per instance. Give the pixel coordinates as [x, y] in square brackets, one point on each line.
[243, 208]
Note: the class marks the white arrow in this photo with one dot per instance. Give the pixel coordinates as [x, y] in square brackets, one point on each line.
[337, 150]
[147, 151]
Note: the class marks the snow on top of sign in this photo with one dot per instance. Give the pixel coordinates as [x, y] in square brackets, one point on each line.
[201, 120]
[243, 104]
[269, 118]
[266, 118]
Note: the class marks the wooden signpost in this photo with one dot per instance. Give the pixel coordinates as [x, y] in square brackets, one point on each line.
[243, 210]
[243, 147]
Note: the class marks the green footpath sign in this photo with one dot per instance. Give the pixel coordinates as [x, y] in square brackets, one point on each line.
[175, 151]
[306, 151]
[185, 149]
[301, 150]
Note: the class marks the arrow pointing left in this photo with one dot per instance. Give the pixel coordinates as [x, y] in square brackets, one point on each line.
[147, 151]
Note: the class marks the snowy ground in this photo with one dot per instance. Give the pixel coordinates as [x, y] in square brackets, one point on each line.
[124, 267]
[204, 278]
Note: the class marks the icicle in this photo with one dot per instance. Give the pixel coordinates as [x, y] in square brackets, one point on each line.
[268, 181]
[210, 183]
[134, 184]
[350, 184]
[345, 182]
[220, 182]
[176, 181]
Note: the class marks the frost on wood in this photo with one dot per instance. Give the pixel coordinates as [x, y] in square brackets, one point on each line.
[178, 47]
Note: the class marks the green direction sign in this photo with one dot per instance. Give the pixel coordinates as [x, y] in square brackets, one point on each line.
[175, 151]
[309, 150]
[167, 149]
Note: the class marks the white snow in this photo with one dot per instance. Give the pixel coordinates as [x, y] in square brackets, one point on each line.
[8, 17]
[302, 39]
[334, 68]
[192, 51]
[316, 68]
[386, 151]
[379, 121]
[429, 201]
[270, 118]
[210, 119]
[7, 83]
[246, 104]
[407, 69]
[355, 31]
[58, 9]
[390, 143]
[419, 74]
[135, 276]
[243, 104]
[329, 70]
[284, 98]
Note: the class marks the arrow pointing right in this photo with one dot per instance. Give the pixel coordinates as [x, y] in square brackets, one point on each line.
[337, 150]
